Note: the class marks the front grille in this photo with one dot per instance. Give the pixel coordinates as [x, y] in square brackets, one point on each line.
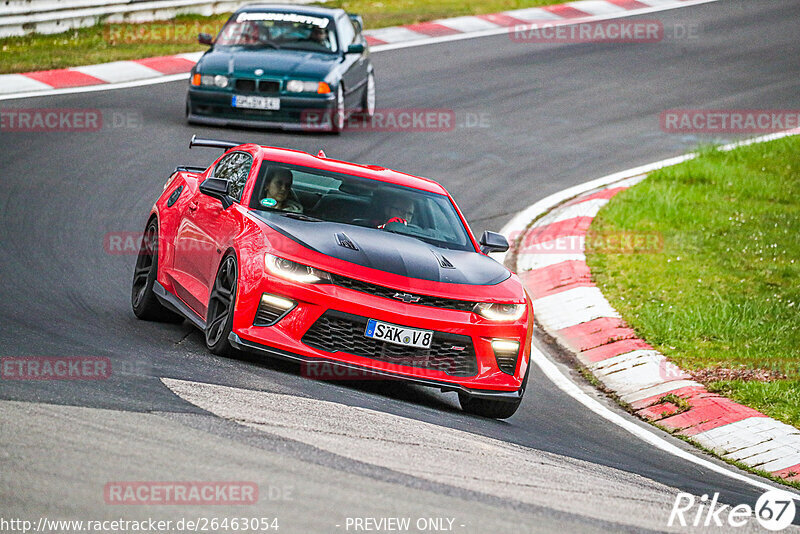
[246, 85]
[339, 332]
[385, 292]
[268, 86]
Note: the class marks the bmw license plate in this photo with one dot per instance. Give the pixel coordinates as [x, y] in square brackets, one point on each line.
[399, 335]
[256, 102]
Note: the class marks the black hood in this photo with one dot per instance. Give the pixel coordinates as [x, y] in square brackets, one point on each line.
[389, 252]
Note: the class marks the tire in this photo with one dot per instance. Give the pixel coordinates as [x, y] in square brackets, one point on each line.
[144, 302]
[368, 100]
[221, 304]
[337, 119]
[492, 409]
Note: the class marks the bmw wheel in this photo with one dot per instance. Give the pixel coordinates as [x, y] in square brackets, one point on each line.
[219, 319]
[368, 102]
[337, 121]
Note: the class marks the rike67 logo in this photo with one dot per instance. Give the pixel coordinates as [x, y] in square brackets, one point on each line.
[774, 510]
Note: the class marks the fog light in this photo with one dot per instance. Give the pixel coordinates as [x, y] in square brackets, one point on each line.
[272, 309]
[506, 353]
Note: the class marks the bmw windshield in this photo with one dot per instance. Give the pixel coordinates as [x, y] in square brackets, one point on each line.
[279, 30]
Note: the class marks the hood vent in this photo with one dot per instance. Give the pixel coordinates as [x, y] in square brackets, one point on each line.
[444, 263]
[345, 241]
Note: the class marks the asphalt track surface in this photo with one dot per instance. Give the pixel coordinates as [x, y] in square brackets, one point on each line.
[552, 116]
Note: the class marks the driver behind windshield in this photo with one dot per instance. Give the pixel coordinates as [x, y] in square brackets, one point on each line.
[278, 191]
[320, 37]
[396, 209]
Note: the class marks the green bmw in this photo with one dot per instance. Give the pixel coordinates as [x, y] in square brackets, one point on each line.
[288, 67]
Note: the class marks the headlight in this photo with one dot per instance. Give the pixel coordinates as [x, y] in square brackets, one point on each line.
[499, 312]
[297, 272]
[221, 81]
[210, 80]
[299, 86]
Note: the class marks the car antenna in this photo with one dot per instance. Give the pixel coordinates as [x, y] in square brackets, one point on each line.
[321, 154]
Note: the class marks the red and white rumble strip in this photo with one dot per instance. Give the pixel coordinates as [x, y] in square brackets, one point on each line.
[384, 38]
[571, 309]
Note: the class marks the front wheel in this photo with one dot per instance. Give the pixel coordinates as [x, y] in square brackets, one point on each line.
[219, 319]
[337, 121]
[368, 100]
[493, 409]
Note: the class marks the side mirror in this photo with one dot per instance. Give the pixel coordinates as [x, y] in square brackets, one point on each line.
[493, 242]
[357, 48]
[217, 188]
[205, 38]
[357, 21]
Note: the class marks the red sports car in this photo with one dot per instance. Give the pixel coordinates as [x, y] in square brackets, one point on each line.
[356, 266]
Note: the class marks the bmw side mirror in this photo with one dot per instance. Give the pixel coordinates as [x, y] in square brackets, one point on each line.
[493, 242]
[205, 38]
[357, 21]
[357, 48]
[217, 188]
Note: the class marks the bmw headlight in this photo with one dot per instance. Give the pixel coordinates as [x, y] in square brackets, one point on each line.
[210, 80]
[299, 86]
[221, 81]
[296, 272]
[499, 312]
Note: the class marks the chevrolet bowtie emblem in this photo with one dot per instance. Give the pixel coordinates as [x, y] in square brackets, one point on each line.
[406, 297]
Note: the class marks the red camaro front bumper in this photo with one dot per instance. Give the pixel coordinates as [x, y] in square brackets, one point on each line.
[326, 322]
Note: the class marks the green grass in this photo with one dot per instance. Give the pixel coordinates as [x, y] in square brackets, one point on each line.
[103, 43]
[724, 292]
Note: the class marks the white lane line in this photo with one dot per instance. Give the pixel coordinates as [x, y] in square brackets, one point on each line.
[373, 49]
[588, 208]
[567, 386]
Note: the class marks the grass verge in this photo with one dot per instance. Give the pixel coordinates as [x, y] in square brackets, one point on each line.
[721, 298]
[112, 42]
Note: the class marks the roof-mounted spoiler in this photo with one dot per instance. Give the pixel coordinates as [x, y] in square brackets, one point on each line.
[212, 143]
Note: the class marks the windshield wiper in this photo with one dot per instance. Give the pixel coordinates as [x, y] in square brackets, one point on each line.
[300, 216]
[270, 44]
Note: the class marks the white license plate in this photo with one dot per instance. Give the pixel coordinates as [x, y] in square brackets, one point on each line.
[256, 102]
[399, 335]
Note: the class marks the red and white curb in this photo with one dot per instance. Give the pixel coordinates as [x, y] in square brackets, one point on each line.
[571, 309]
[168, 68]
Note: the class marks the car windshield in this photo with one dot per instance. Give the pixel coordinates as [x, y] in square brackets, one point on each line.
[341, 198]
[279, 30]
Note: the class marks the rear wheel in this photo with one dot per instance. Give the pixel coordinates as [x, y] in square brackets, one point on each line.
[144, 302]
[219, 319]
[493, 409]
